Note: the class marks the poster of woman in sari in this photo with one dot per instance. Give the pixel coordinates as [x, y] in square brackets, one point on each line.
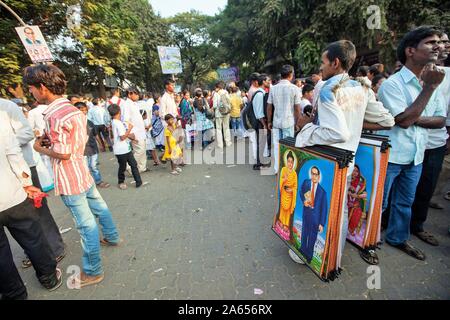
[288, 194]
[360, 194]
[357, 202]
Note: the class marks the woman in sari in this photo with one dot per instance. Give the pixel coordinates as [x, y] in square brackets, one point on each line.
[356, 201]
[288, 191]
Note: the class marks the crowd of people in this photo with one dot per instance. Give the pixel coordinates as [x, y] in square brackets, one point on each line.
[65, 134]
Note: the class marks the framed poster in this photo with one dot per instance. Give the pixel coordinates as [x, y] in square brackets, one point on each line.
[365, 194]
[34, 43]
[310, 186]
[170, 59]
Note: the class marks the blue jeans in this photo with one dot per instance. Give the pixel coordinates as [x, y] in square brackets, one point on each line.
[92, 164]
[236, 126]
[85, 208]
[403, 180]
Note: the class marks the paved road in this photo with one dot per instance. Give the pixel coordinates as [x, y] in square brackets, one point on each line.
[206, 235]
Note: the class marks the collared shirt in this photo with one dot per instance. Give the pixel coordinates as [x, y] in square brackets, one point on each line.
[258, 103]
[36, 119]
[283, 97]
[21, 128]
[344, 104]
[66, 129]
[398, 93]
[134, 116]
[12, 167]
[438, 137]
[97, 114]
[167, 105]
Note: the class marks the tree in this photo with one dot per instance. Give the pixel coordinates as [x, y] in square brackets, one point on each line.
[190, 32]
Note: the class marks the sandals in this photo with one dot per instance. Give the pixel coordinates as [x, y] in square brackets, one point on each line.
[369, 256]
[409, 250]
[106, 243]
[427, 237]
[175, 173]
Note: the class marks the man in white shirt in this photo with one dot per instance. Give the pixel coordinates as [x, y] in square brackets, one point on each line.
[283, 107]
[18, 214]
[222, 120]
[135, 118]
[343, 107]
[434, 157]
[13, 119]
[167, 103]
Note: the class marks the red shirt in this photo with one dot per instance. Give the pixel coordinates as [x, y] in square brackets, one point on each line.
[66, 129]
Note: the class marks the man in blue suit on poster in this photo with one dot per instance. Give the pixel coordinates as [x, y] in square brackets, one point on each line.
[315, 209]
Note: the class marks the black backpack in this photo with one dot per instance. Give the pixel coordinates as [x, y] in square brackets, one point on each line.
[248, 115]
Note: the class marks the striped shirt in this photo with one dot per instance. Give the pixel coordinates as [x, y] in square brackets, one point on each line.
[66, 129]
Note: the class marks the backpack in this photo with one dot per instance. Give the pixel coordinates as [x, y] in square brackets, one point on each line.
[248, 115]
[209, 112]
[224, 104]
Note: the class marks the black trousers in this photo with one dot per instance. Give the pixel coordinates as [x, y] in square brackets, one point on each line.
[261, 138]
[431, 168]
[22, 222]
[123, 159]
[48, 224]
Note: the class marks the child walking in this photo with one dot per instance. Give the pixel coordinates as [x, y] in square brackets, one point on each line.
[172, 149]
[151, 148]
[122, 147]
[157, 130]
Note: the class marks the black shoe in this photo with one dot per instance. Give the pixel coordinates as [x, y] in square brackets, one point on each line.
[52, 282]
[409, 250]
[257, 167]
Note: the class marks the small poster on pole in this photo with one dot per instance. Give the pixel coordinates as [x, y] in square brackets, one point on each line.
[34, 43]
[170, 58]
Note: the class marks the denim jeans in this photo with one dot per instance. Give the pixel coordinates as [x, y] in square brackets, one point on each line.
[85, 208]
[236, 127]
[403, 180]
[92, 164]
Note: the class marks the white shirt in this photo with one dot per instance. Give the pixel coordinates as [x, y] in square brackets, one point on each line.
[341, 114]
[304, 102]
[21, 128]
[167, 105]
[118, 129]
[438, 137]
[283, 97]
[133, 115]
[12, 166]
[146, 106]
[36, 119]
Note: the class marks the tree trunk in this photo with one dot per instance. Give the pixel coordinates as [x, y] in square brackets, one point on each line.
[100, 78]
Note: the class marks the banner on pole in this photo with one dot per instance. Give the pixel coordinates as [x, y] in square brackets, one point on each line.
[228, 74]
[34, 43]
[170, 59]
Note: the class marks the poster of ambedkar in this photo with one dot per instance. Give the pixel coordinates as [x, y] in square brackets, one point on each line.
[305, 186]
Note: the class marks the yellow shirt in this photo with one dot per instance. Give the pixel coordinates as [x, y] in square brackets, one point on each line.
[176, 150]
[236, 104]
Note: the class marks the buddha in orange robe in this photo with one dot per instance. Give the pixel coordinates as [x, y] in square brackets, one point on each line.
[288, 191]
